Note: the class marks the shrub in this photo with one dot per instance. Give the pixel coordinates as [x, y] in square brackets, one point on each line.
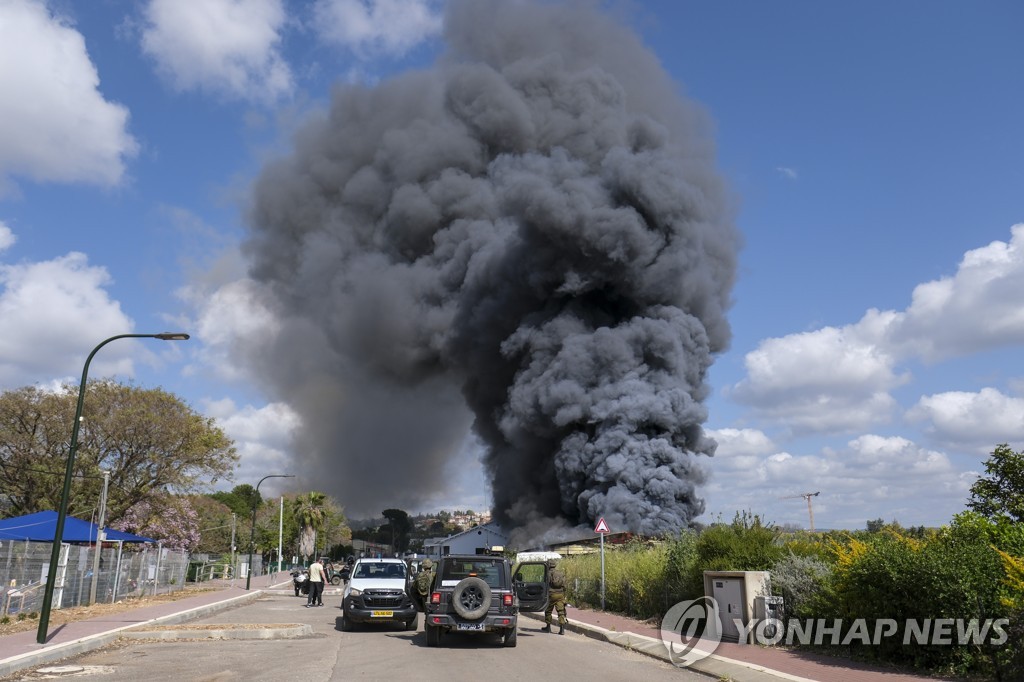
[805, 584]
[955, 574]
[746, 544]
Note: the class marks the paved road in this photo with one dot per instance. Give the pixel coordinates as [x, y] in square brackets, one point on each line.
[371, 653]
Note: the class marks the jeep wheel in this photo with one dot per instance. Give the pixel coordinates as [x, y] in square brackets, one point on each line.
[336, 580]
[471, 598]
[433, 635]
[296, 592]
[510, 637]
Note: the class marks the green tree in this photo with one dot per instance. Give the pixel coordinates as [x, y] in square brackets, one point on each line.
[150, 441]
[336, 534]
[214, 524]
[1000, 491]
[310, 513]
[399, 527]
[242, 499]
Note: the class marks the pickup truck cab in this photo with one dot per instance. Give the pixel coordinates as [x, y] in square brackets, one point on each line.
[377, 592]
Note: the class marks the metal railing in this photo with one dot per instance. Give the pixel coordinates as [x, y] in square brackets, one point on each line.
[205, 567]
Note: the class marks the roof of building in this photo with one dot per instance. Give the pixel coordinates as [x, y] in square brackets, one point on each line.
[490, 527]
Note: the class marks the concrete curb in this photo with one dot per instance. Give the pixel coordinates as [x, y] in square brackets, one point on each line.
[714, 665]
[56, 652]
[267, 631]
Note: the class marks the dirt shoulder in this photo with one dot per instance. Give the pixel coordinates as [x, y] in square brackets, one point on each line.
[77, 613]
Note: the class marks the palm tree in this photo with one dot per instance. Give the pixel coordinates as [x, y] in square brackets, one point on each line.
[310, 514]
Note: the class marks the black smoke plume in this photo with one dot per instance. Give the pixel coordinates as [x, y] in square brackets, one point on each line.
[532, 229]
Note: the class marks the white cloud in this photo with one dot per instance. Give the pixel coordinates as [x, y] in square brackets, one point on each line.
[788, 173]
[7, 237]
[228, 317]
[55, 124]
[832, 379]
[262, 436]
[39, 302]
[734, 442]
[368, 27]
[873, 476]
[976, 420]
[839, 378]
[976, 309]
[223, 46]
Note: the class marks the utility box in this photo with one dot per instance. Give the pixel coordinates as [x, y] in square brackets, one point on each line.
[768, 608]
[735, 592]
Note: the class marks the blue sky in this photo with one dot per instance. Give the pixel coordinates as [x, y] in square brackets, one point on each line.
[873, 151]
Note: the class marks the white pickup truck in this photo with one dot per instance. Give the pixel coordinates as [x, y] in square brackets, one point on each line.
[377, 593]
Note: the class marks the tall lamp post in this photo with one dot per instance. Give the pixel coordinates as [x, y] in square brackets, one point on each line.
[62, 513]
[252, 533]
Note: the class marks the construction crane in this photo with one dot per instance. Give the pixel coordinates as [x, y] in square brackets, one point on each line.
[806, 496]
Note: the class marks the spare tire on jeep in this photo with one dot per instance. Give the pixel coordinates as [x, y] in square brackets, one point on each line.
[471, 598]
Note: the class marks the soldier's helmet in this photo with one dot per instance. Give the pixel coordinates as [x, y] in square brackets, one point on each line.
[427, 564]
[552, 563]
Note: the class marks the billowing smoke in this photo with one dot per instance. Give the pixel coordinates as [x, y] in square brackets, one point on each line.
[532, 229]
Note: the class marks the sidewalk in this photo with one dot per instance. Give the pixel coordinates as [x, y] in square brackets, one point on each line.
[735, 662]
[20, 650]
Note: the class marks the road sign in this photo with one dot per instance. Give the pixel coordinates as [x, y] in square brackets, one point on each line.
[601, 526]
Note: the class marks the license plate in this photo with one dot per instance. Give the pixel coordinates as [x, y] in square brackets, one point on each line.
[471, 626]
[382, 614]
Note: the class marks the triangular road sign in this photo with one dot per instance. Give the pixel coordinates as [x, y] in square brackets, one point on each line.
[601, 526]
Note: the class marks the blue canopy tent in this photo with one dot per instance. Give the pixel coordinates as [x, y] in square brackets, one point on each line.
[42, 526]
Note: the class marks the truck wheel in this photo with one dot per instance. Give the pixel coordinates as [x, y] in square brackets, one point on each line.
[411, 624]
[346, 624]
[510, 637]
[471, 598]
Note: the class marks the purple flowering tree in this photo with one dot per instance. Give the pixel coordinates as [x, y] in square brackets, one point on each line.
[169, 519]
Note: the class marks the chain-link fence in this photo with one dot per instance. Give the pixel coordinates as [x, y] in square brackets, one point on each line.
[124, 571]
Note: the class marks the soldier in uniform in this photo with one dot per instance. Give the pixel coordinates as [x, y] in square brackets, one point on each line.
[556, 597]
[422, 584]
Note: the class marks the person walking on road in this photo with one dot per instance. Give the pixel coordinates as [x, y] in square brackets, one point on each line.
[556, 597]
[316, 584]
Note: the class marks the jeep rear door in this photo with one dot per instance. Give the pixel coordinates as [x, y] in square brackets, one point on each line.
[531, 585]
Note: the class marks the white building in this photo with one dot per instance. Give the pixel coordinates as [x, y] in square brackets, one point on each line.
[467, 542]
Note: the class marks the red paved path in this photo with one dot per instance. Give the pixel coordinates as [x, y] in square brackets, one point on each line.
[798, 663]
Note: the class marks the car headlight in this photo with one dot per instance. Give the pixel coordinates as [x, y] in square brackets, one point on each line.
[354, 593]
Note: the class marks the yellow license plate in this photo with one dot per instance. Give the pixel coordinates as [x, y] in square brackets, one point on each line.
[382, 614]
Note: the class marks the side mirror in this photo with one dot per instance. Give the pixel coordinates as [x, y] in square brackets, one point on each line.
[519, 577]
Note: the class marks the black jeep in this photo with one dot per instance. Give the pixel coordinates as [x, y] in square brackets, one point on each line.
[478, 594]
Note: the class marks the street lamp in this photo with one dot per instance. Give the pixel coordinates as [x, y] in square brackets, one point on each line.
[62, 513]
[252, 533]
